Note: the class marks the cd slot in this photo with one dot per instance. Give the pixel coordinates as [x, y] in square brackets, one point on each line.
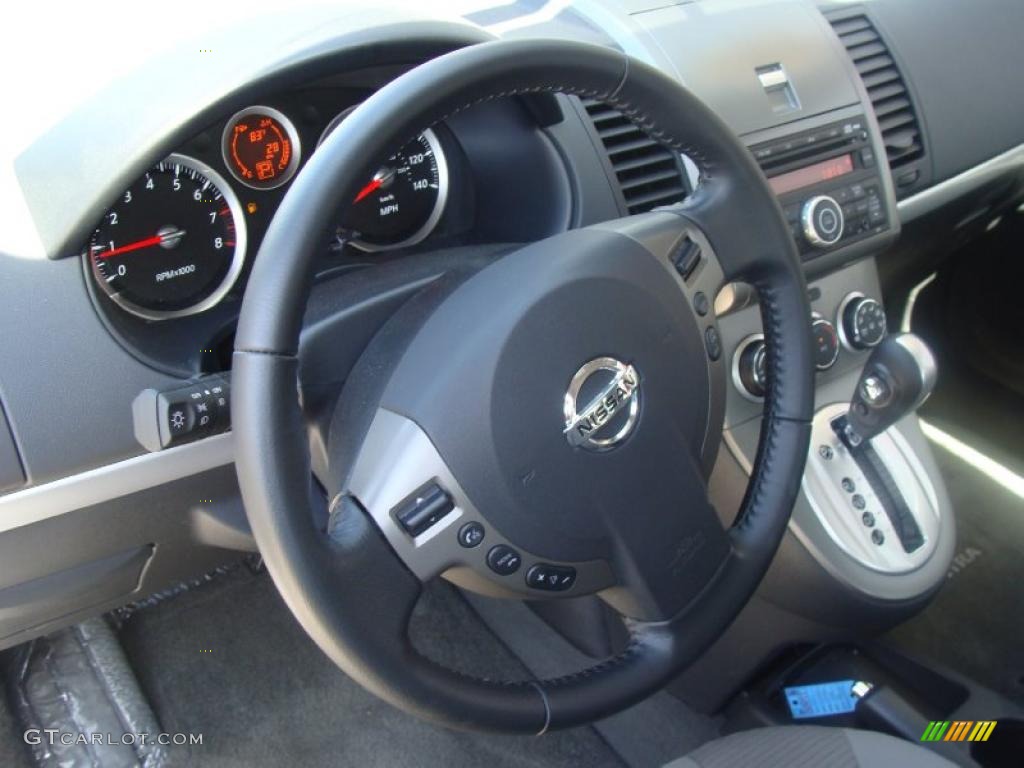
[782, 161]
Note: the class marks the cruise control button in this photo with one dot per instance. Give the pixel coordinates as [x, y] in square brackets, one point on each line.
[551, 578]
[858, 501]
[713, 343]
[868, 519]
[848, 485]
[686, 259]
[701, 303]
[471, 534]
[421, 509]
[878, 537]
[503, 560]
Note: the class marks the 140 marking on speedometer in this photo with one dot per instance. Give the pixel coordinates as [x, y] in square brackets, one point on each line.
[403, 201]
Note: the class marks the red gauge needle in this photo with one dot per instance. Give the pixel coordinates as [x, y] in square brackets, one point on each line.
[146, 243]
[373, 186]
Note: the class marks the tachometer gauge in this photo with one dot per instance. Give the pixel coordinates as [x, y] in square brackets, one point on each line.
[404, 200]
[174, 244]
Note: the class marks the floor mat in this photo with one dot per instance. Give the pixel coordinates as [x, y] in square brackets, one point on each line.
[13, 751]
[974, 625]
[227, 660]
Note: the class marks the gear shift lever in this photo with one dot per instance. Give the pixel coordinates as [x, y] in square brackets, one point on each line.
[897, 378]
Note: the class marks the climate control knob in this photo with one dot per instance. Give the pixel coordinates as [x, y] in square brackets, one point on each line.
[826, 343]
[822, 221]
[862, 322]
[749, 365]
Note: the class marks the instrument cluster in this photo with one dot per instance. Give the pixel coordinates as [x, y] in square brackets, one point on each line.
[181, 238]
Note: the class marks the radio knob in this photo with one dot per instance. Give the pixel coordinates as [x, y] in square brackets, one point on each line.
[862, 322]
[822, 221]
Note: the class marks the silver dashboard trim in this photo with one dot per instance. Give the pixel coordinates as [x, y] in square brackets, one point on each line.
[112, 481]
[842, 521]
[396, 458]
[946, 191]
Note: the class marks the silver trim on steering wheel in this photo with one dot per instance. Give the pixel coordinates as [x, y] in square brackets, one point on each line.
[398, 457]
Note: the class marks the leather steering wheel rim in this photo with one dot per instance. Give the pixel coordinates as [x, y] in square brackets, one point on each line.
[347, 589]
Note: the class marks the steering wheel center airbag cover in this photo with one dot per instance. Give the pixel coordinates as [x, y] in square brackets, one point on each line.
[487, 374]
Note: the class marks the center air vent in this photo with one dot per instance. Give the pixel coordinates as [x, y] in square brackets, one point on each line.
[885, 85]
[649, 174]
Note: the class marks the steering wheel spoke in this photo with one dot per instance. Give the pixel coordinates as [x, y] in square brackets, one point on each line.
[435, 529]
[669, 546]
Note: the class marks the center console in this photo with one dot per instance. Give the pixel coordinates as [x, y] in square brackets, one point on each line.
[874, 517]
[872, 533]
[871, 537]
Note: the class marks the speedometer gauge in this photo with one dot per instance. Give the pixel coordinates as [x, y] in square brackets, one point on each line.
[173, 245]
[404, 200]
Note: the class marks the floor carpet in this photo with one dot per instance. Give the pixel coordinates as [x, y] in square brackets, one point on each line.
[978, 409]
[228, 660]
[974, 625]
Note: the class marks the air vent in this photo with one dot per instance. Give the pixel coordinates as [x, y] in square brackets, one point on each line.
[649, 173]
[886, 87]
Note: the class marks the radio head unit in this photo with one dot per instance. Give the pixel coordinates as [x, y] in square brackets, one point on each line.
[827, 182]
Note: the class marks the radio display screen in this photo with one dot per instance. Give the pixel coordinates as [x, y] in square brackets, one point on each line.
[812, 174]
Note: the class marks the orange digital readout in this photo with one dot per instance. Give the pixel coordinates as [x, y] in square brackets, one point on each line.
[811, 174]
[261, 148]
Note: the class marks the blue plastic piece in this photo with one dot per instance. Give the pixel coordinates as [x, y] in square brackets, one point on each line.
[821, 700]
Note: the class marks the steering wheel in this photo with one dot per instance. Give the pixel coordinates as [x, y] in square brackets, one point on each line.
[542, 427]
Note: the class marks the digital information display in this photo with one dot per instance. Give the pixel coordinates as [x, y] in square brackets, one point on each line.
[812, 174]
[261, 147]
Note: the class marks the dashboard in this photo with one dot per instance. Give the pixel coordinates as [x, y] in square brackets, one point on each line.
[137, 215]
